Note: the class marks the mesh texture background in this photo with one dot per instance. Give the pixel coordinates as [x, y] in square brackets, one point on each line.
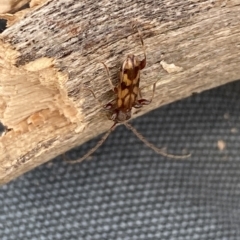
[129, 192]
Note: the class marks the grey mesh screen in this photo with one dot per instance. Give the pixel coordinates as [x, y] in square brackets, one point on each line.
[129, 192]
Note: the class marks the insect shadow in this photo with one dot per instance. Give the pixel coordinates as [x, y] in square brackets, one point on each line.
[128, 96]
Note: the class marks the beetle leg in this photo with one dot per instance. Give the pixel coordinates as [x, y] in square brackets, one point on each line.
[143, 62]
[91, 91]
[109, 105]
[140, 102]
[109, 79]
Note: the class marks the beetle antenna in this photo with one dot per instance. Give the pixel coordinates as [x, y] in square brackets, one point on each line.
[152, 146]
[91, 151]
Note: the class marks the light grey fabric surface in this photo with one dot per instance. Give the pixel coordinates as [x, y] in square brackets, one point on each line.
[129, 192]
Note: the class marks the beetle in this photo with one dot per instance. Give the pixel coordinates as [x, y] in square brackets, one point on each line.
[128, 96]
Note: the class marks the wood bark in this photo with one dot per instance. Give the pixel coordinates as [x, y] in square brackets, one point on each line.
[52, 52]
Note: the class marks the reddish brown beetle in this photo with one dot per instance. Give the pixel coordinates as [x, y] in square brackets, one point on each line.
[128, 96]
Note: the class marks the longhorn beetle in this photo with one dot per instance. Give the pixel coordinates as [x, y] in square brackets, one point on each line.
[128, 95]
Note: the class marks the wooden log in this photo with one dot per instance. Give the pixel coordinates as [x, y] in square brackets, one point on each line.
[50, 55]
